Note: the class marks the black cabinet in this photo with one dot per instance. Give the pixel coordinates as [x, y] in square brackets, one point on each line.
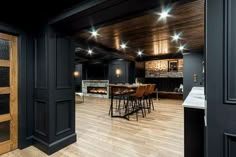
[194, 132]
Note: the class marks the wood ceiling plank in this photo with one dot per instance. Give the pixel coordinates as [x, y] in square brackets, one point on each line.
[146, 32]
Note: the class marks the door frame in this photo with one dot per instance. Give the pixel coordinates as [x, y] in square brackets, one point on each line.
[11, 144]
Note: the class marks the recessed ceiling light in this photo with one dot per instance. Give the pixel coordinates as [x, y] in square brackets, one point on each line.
[90, 52]
[164, 14]
[176, 37]
[139, 53]
[181, 48]
[94, 33]
[123, 46]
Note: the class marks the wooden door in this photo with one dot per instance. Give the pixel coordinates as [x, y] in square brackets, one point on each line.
[8, 93]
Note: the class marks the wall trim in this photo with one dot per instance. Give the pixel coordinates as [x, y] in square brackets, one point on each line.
[228, 138]
[227, 53]
[56, 114]
[55, 146]
[35, 129]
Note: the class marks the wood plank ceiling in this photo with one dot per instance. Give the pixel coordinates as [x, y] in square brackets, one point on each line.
[153, 36]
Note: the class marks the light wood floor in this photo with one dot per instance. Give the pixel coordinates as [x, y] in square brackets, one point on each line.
[160, 134]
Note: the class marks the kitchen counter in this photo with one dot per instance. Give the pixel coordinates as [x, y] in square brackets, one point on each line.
[195, 99]
[194, 111]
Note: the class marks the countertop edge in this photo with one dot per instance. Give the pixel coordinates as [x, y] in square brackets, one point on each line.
[195, 99]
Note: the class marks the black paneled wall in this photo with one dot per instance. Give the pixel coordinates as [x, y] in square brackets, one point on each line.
[193, 66]
[54, 106]
[78, 79]
[127, 71]
[106, 71]
[165, 84]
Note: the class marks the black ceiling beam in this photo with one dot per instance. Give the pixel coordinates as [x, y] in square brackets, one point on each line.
[84, 57]
[159, 57]
[178, 55]
[102, 49]
[89, 58]
[104, 12]
[76, 9]
[81, 58]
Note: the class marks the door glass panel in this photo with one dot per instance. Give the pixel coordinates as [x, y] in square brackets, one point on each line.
[4, 131]
[4, 104]
[4, 77]
[4, 49]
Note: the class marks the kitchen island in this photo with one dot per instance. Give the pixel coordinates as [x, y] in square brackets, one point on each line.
[194, 111]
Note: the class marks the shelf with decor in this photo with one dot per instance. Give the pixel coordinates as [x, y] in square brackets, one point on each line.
[167, 74]
[164, 68]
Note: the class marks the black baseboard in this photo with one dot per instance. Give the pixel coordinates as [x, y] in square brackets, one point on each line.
[55, 146]
[22, 144]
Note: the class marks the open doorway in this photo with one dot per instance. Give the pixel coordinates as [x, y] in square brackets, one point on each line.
[162, 46]
[120, 50]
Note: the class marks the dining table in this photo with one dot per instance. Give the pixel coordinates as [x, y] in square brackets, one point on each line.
[131, 88]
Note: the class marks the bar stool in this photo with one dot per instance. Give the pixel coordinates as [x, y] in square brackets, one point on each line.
[136, 102]
[152, 88]
[117, 95]
[122, 96]
[147, 93]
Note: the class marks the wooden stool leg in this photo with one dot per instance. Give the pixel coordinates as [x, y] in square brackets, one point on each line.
[143, 106]
[127, 108]
[148, 105]
[109, 113]
[140, 107]
[152, 104]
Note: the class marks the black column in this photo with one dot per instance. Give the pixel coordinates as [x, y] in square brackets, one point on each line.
[54, 105]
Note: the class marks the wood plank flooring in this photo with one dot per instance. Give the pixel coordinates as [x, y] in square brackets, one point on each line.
[160, 134]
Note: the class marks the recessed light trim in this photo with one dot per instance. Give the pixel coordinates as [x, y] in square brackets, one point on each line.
[181, 48]
[123, 46]
[139, 53]
[176, 37]
[94, 33]
[90, 52]
[164, 14]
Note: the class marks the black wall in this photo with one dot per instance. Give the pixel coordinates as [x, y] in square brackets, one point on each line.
[106, 71]
[127, 71]
[192, 65]
[78, 80]
[95, 71]
[140, 69]
[165, 84]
